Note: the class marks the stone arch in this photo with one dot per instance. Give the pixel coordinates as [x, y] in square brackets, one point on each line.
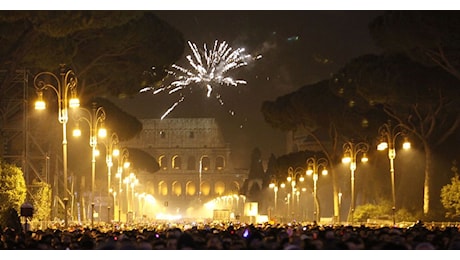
[162, 188]
[205, 163]
[205, 188]
[176, 162]
[234, 187]
[176, 188]
[220, 163]
[162, 161]
[219, 188]
[190, 188]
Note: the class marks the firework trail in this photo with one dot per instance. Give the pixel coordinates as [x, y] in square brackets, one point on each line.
[208, 67]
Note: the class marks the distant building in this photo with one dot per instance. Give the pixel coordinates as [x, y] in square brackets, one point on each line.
[189, 151]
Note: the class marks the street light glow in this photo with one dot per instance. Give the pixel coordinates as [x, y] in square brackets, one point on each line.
[346, 159]
[102, 132]
[60, 86]
[314, 165]
[116, 152]
[382, 146]
[406, 144]
[95, 119]
[364, 159]
[388, 134]
[76, 132]
[74, 102]
[351, 151]
[40, 103]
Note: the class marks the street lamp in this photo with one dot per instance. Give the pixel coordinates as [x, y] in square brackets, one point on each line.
[388, 134]
[114, 197]
[200, 175]
[351, 151]
[141, 205]
[130, 181]
[61, 87]
[274, 185]
[94, 118]
[292, 180]
[111, 151]
[314, 165]
[122, 163]
[340, 203]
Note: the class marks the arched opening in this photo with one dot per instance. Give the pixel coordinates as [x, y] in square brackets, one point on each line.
[220, 163]
[176, 162]
[176, 188]
[205, 163]
[219, 188]
[163, 188]
[163, 162]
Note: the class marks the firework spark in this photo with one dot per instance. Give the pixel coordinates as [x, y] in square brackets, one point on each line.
[208, 67]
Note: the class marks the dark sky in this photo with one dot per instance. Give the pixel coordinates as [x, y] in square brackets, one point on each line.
[297, 48]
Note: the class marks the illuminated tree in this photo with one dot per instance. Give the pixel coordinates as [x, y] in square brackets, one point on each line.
[450, 196]
[41, 200]
[12, 190]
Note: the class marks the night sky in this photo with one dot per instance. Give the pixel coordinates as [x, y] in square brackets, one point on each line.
[297, 48]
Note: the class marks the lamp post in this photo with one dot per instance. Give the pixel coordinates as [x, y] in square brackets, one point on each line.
[61, 87]
[141, 205]
[200, 173]
[94, 118]
[111, 151]
[122, 163]
[114, 198]
[351, 151]
[292, 180]
[340, 203]
[274, 185]
[130, 181]
[388, 135]
[314, 165]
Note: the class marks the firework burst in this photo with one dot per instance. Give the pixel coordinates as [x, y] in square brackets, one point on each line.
[208, 68]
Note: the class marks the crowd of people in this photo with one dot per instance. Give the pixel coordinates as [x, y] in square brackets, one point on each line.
[235, 237]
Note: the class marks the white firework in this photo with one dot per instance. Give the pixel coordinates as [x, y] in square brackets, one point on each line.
[208, 68]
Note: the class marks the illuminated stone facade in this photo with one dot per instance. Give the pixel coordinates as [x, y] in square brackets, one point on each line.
[189, 151]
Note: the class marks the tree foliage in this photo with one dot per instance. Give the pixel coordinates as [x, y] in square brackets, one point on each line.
[450, 197]
[12, 190]
[108, 50]
[141, 160]
[324, 105]
[422, 100]
[428, 37]
[381, 211]
[41, 200]
[117, 120]
[407, 84]
[409, 93]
